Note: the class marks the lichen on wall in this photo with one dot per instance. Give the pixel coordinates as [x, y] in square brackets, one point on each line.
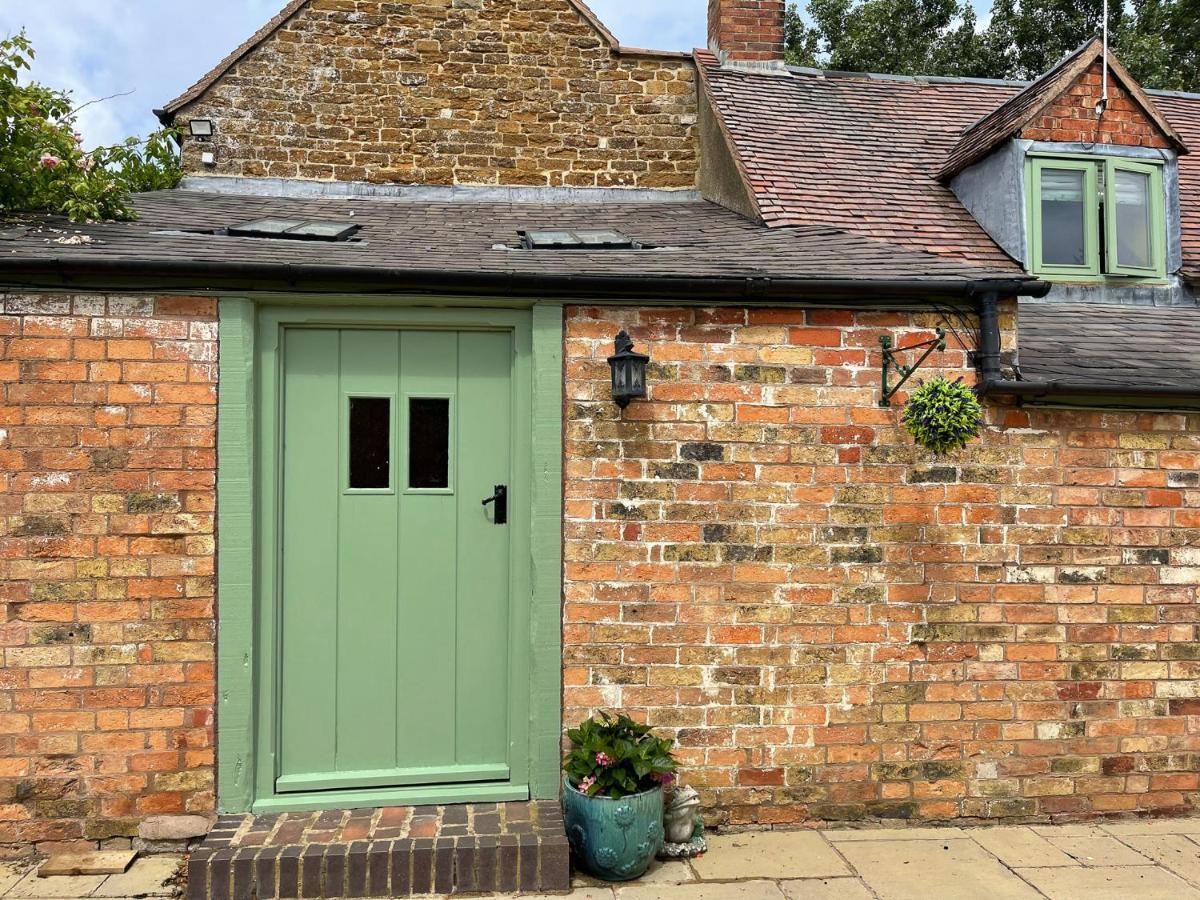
[107, 494]
[837, 625]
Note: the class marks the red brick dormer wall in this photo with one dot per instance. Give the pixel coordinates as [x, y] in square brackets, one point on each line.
[1072, 117]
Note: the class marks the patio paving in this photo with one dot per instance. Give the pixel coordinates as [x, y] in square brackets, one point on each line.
[147, 877]
[1114, 861]
[1117, 861]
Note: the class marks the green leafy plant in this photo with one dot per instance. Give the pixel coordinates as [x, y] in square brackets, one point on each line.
[44, 167]
[943, 415]
[615, 756]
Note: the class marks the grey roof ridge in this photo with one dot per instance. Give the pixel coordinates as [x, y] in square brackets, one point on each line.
[917, 79]
[953, 79]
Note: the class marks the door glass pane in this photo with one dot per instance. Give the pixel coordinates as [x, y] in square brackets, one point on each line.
[1064, 241]
[429, 442]
[370, 442]
[1131, 191]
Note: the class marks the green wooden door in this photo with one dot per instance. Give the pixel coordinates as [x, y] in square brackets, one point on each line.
[394, 648]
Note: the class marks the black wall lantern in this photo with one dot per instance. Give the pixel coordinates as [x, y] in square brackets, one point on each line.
[628, 371]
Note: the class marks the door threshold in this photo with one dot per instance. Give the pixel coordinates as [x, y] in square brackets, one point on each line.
[474, 849]
[404, 796]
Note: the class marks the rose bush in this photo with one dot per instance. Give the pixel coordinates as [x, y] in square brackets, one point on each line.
[44, 166]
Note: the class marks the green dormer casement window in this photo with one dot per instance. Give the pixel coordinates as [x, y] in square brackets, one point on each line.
[1096, 218]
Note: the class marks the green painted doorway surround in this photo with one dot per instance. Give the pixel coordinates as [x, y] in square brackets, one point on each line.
[447, 690]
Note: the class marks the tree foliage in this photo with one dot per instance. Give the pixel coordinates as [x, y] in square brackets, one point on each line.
[44, 166]
[1159, 40]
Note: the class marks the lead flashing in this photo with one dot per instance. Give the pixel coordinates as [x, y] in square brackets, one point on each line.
[359, 190]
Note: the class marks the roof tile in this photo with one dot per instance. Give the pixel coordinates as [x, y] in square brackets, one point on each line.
[863, 153]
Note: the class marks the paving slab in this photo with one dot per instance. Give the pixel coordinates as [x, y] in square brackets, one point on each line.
[891, 834]
[144, 879]
[586, 893]
[1110, 883]
[1068, 830]
[954, 869]
[1154, 826]
[1100, 851]
[55, 886]
[768, 854]
[660, 872]
[670, 872]
[741, 890]
[11, 873]
[96, 862]
[1020, 847]
[1171, 851]
[826, 889]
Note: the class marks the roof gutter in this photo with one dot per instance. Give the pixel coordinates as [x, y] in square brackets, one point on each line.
[204, 275]
[993, 383]
[1034, 390]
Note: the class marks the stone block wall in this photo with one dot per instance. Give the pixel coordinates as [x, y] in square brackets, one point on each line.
[835, 624]
[480, 92]
[107, 475]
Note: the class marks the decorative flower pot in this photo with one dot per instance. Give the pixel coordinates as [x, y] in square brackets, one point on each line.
[613, 839]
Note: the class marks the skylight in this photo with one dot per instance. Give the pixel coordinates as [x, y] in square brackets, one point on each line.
[578, 239]
[294, 230]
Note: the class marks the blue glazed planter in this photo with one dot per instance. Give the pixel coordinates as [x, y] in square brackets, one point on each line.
[613, 839]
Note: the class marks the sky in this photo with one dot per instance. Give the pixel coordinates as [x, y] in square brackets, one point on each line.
[150, 51]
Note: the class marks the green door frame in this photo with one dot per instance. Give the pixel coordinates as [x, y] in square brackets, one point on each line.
[244, 658]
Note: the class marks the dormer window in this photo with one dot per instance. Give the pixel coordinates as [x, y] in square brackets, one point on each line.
[1092, 218]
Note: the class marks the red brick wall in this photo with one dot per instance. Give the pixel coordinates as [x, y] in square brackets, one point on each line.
[748, 30]
[1072, 117]
[107, 442]
[833, 623]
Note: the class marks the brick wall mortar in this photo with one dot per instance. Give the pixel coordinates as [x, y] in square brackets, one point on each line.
[1072, 117]
[836, 625]
[486, 92]
[107, 432]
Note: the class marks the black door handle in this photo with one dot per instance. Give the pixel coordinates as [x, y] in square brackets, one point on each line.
[500, 498]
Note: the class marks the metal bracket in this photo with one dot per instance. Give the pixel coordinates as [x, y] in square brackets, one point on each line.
[890, 363]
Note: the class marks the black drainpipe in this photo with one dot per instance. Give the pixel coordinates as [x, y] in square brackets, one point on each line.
[989, 340]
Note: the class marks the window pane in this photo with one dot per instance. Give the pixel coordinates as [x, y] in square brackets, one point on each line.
[1131, 191]
[429, 442]
[1064, 241]
[370, 442]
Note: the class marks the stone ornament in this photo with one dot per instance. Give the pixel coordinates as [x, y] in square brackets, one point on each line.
[683, 825]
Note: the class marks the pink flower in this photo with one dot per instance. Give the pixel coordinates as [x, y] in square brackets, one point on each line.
[603, 759]
[50, 161]
[663, 778]
[586, 784]
[87, 163]
[78, 137]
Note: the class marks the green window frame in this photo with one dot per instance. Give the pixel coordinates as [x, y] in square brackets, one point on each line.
[1101, 258]
[1155, 212]
[1091, 218]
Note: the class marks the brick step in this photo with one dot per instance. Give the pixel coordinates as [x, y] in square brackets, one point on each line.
[391, 852]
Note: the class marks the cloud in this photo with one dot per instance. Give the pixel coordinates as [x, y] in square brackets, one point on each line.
[155, 49]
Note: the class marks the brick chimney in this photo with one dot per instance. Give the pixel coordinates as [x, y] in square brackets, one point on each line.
[747, 34]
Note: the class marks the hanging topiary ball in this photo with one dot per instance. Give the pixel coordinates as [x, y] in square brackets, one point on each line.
[943, 415]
